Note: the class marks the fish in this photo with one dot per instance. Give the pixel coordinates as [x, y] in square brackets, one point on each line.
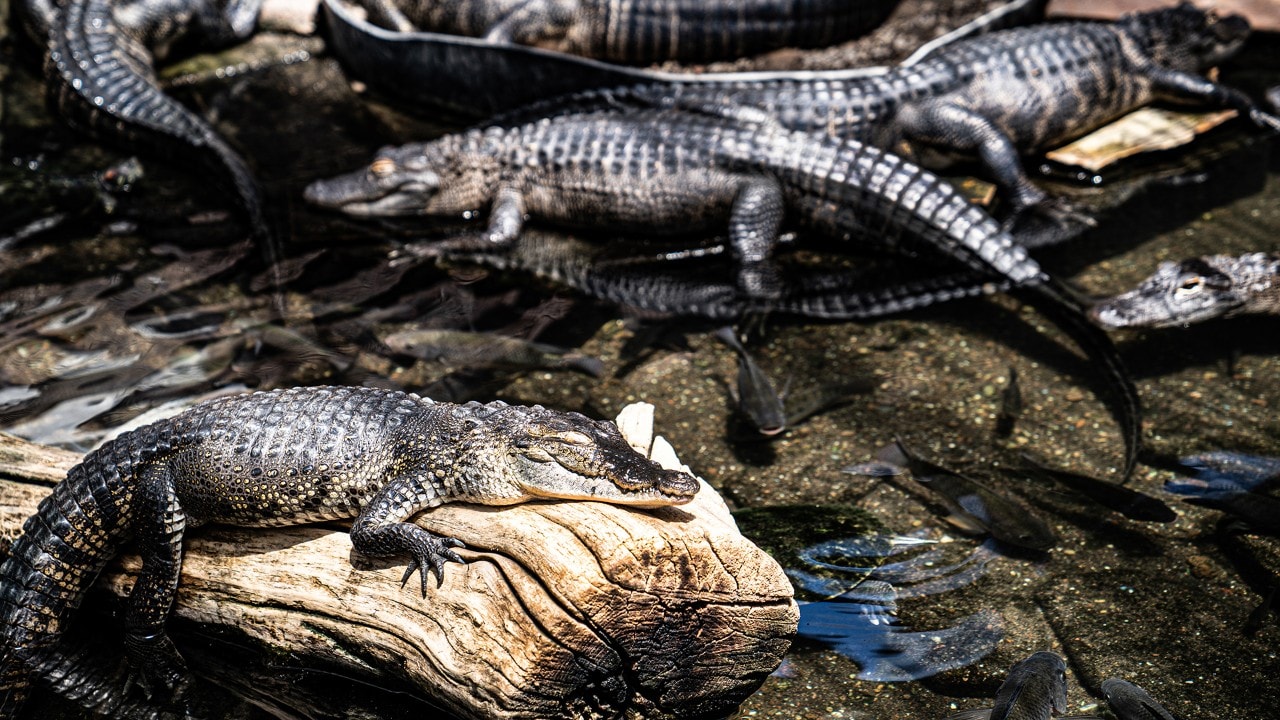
[1130, 702]
[1034, 689]
[1254, 473]
[1261, 512]
[485, 350]
[1131, 503]
[973, 505]
[1010, 405]
[757, 398]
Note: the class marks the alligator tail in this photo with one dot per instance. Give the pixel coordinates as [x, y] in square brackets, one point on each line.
[75, 531]
[101, 81]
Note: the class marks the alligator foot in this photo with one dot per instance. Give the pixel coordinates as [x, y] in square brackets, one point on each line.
[429, 552]
[759, 281]
[1048, 221]
[154, 666]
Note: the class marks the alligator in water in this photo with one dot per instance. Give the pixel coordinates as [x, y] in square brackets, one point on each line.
[99, 70]
[995, 96]
[289, 457]
[1195, 290]
[676, 172]
[642, 31]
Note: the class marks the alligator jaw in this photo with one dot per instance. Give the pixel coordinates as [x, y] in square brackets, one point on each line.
[355, 194]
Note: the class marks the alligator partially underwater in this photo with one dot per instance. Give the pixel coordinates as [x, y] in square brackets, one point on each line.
[642, 31]
[288, 457]
[676, 172]
[994, 97]
[99, 68]
[1195, 290]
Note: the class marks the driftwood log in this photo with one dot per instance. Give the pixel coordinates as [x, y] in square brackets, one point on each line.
[571, 609]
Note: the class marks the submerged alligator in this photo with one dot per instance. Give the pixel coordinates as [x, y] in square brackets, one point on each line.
[996, 96]
[671, 171]
[290, 457]
[641, 31]
[1195, 290]
[99, 70]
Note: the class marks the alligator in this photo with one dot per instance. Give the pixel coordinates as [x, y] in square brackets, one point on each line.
[667, 170]
[98, 68]
[288, 457]
[1195, 290]
[995, 96]
[642, 32]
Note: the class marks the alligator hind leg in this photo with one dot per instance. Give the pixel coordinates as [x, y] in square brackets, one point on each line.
[153, 660]
[754, 222]
[381, 531]
[945, 125]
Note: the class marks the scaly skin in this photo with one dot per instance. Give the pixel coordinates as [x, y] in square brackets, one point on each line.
[642, 31]
[993, 97]
[1196, 290]
[282, 458]
[98, 67]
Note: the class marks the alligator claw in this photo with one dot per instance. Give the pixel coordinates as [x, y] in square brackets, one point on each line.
[431, 553]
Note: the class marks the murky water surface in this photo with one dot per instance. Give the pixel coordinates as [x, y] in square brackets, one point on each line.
[129, 291]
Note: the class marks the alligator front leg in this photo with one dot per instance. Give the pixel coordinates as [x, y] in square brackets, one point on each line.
[381, 531]
[754, 222]
[1177, 86]
[153, 660]
[506, 217]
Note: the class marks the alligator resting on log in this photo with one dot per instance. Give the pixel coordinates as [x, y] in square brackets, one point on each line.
[562, 609]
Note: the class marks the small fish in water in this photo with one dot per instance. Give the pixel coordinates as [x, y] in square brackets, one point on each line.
[1035, 689]
[1130, 702]
[1254, 473]
[485, 350]
[1010, 405]
[756, 396]
[1130, 503]
[1261, 512]
[974, 506]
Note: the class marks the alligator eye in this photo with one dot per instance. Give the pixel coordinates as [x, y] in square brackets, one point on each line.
[573, 437]
[383, 167]
[537, 454]
[1191, 286]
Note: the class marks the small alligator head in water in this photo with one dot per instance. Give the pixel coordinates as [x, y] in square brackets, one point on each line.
[521, 453]
[1195, 290]
[453, 175]
[1187, 38]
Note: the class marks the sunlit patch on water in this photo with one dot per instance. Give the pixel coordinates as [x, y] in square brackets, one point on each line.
[850, 576]
[858, 618]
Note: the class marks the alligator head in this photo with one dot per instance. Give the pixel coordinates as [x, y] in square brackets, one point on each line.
[1176, 294]
[522, 453]
[1185, 37]
[453, 175]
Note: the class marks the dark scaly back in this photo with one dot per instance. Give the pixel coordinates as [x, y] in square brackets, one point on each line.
[100, 80]
[649, 31]
[77, 529]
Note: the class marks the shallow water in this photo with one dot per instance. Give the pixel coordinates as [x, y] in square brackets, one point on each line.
[112, 309]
